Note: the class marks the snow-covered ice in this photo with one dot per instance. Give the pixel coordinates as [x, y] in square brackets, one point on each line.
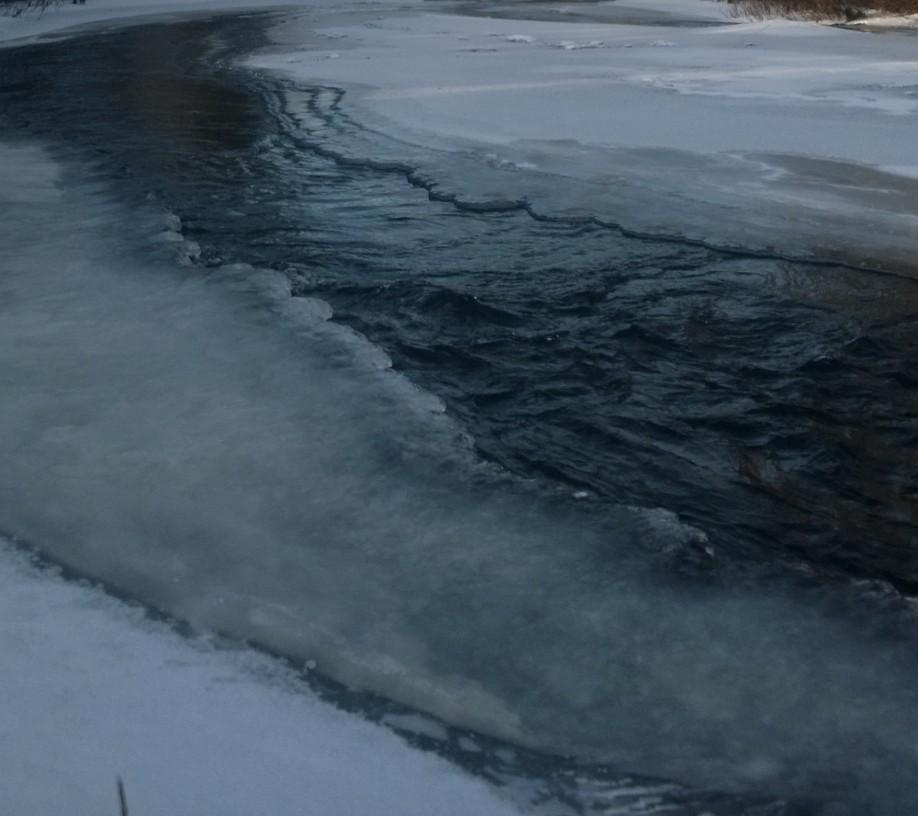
[778, 133]
[92, 689]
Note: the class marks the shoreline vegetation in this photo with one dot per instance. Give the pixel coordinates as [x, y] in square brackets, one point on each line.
[851, 11]
[14, 8]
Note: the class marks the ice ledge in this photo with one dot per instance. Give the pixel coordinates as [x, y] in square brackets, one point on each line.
[94, 689]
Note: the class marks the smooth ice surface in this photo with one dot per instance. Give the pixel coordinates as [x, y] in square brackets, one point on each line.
[750, 87]
[761, 134]
[93, 689]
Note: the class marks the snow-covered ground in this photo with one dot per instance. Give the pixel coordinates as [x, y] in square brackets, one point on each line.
[760, 134]
[901, 21]
[757, 87]
[93, 689]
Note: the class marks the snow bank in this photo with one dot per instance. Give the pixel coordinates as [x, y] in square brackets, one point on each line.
[93, 689]
[773, 129]
[906, 22]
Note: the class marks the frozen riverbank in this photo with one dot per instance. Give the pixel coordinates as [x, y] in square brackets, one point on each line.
[774, 136]
[93, 689]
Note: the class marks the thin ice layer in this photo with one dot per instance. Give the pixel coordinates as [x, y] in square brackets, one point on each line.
[764, 136]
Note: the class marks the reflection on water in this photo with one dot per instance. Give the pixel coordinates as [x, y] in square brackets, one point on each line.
[201, 114]
[176, 114]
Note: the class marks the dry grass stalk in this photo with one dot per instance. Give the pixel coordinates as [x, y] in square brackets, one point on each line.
[122, 799]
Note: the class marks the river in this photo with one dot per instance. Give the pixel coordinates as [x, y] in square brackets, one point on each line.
[630, 521]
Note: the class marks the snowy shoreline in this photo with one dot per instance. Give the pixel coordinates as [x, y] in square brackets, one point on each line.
[95, 689]
[786, 138]
[770, 133]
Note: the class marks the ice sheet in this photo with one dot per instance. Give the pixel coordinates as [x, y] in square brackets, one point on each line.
[93, 689]
[707, 114]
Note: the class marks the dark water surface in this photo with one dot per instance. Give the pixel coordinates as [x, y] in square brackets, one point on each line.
[768, 409]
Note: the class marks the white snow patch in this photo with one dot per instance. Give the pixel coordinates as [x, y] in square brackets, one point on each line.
[909, 170]
[591, 100]
[93, 689]
[573, 45]
[904, 21]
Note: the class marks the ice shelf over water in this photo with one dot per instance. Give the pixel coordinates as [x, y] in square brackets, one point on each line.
[93, 689]
[778, 135]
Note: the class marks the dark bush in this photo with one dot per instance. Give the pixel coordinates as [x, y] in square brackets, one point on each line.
[17, 7]
[850, 10]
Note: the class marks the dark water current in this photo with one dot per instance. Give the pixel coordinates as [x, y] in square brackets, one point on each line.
[770, 406]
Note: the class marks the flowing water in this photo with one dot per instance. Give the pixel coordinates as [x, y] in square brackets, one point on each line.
[633, 520]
